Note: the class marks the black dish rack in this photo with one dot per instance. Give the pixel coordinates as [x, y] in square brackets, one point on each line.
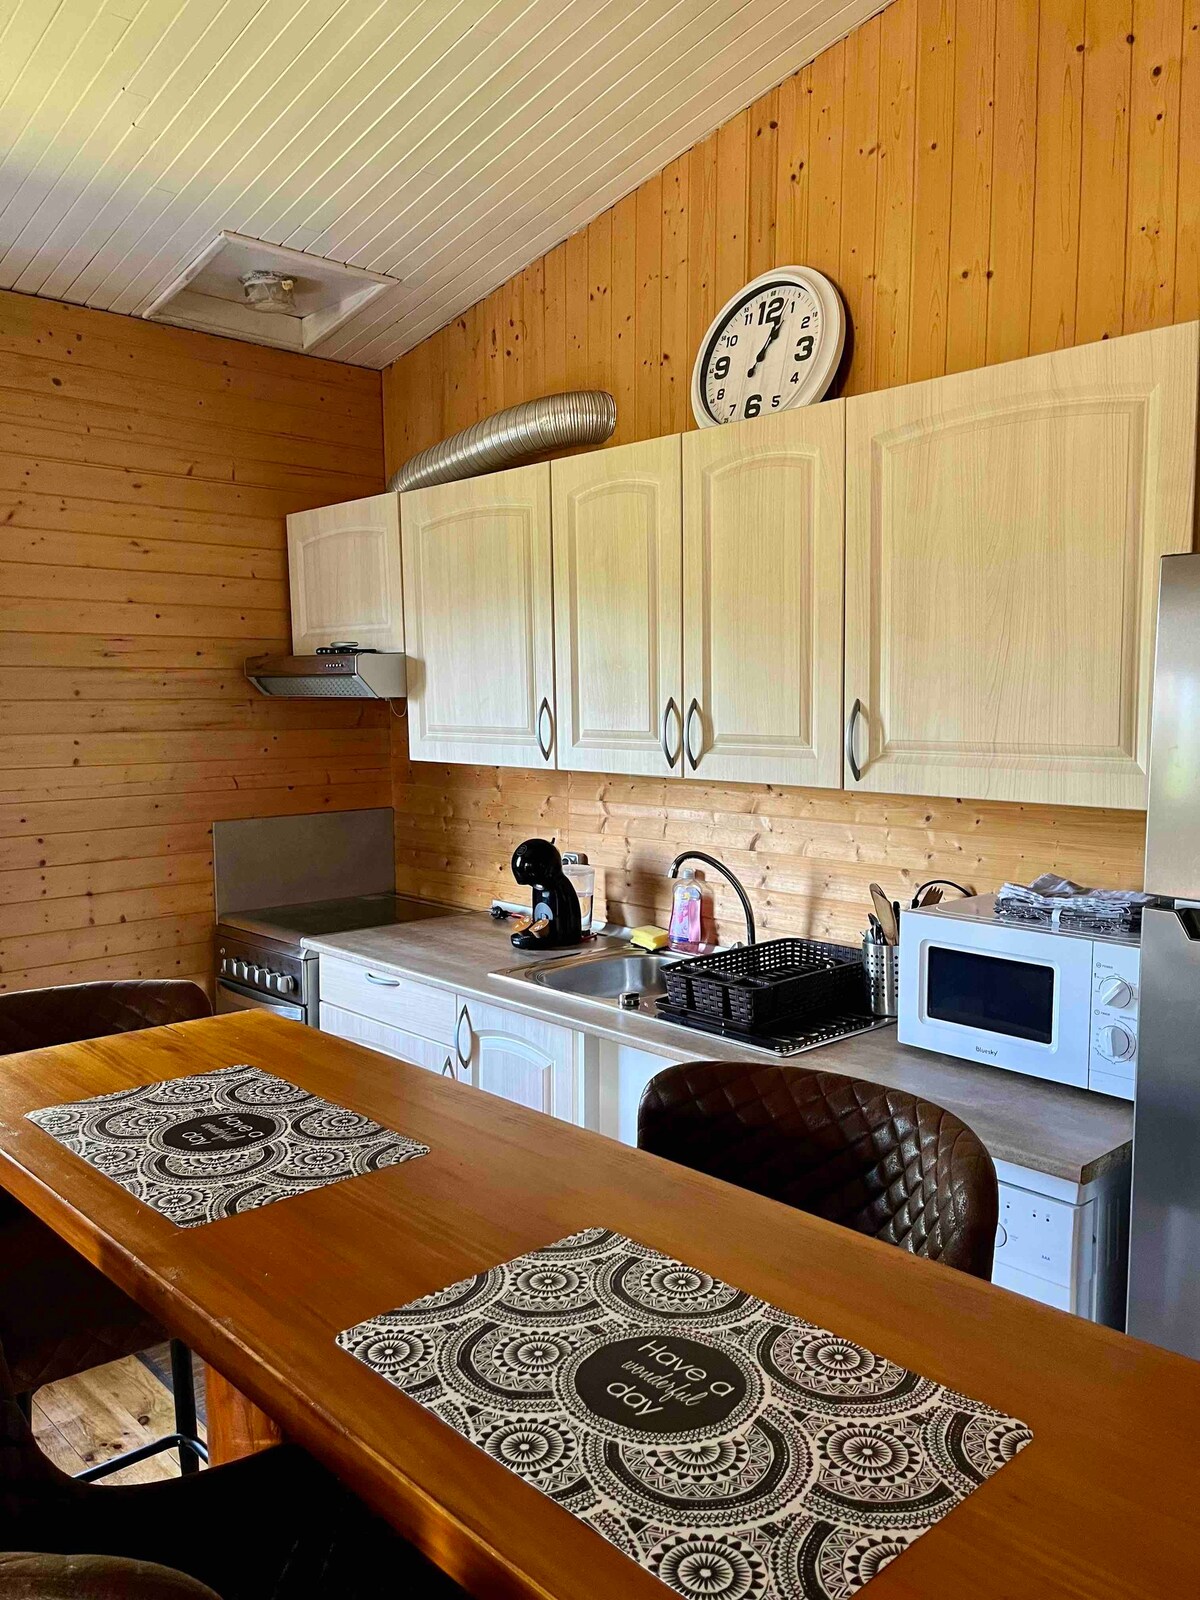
[754, 984]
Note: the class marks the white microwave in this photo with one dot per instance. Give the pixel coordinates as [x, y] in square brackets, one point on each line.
[1043, 1001]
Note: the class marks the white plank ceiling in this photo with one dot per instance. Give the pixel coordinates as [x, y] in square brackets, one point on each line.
[447, 143]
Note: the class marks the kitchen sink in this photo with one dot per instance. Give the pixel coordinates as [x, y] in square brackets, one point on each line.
[603, 976]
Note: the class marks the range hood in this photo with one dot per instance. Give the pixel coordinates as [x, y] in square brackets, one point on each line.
[338, 672]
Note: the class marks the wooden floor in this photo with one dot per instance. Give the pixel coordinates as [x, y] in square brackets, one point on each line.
[81, 1421]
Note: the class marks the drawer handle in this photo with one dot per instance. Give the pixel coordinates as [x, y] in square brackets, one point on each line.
[1001, 1236]
[464, 1057]
[384, 983]
[693, 759]
[851, 724]
[447, 1068]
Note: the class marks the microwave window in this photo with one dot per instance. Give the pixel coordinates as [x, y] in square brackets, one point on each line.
[991, 993]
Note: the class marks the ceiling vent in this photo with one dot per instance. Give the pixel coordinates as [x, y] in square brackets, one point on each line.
[265, 293]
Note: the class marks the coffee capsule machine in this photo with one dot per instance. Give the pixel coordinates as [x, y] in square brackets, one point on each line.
[556, 920]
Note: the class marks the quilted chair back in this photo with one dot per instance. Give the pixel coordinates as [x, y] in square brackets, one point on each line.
[874, 1159]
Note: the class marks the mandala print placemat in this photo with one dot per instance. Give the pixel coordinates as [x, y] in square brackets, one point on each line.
[733, 1450]
[222, 1142]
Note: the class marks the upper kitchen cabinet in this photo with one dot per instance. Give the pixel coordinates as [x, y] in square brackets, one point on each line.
[1004, 529]
[763, 524]
[344, 572]
[478, 620]
[617, 598]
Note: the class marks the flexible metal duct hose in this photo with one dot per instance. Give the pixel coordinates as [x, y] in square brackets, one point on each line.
[555, 422]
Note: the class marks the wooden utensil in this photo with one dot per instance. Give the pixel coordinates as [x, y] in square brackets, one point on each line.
[886, 915]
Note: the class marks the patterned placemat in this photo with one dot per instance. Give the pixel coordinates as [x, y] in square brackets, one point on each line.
[735, 1451]
[220, 1142]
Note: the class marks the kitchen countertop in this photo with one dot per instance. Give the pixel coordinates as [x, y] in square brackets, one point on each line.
[1067, 1133]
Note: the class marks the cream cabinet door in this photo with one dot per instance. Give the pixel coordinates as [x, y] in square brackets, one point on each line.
[520, 1058]
[1004, 529]
[344, 574]
[618, 551]
[762, 598]
[478, 620]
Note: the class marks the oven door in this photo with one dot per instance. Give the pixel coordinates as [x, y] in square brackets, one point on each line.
[1004, 997]
[232, 997]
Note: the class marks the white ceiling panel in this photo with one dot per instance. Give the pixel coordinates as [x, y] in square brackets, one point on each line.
[446, 143]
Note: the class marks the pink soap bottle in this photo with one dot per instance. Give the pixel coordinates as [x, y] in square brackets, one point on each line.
[686, 908]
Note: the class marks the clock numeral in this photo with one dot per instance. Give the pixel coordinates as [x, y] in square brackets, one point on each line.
[804, 347]
[804, 321]
[720, 394]
[775, 402]
[795, 378]
[721, 367]
[769, 310]
[753, 405]
[732, 340]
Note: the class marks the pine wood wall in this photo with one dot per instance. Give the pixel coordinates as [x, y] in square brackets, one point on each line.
[984, 179]
[145, 473]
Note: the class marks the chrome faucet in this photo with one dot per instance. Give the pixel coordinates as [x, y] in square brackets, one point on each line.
[711, 861]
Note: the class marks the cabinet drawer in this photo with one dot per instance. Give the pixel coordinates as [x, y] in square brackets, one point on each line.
[401, 1003]
[391, 1041]
[1039, 1236]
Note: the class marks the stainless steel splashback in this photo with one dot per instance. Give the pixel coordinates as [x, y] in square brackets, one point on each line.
[1173, 822]
[286, 861]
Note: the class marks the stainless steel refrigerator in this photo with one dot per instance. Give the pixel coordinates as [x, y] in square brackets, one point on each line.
[1164, 1260]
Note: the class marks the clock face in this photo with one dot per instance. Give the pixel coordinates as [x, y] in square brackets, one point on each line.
[775, 345]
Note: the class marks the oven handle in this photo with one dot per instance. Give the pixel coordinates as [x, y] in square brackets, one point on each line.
[259, 1002]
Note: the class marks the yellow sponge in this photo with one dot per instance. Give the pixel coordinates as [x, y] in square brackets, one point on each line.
[649, 937]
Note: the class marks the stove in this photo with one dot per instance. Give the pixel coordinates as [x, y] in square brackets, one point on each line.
[260, 962]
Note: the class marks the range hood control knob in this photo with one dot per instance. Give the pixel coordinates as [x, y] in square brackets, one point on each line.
[1117, 993]
[1115, 1043]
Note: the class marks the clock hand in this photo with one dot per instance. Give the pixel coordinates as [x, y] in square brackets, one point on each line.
[771, 337]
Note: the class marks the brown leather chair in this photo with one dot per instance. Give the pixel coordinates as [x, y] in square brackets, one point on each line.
[275, 1526]
[24, 1576]
[877, 1160]
[58, 1315]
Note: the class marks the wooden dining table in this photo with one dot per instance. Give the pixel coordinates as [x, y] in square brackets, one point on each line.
[1102, 1503]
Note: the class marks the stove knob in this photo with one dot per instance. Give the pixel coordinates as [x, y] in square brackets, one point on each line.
[240, 969]
[256, 976]
[1115, 1043]
[1116, 993]
[284, 982]
[224, 966]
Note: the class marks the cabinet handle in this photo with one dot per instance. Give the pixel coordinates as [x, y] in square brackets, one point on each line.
[544, 711]
[464, 1058]
[693, 760]
[384, 983]
[851, 723]
[666, 717]
[447, 1068]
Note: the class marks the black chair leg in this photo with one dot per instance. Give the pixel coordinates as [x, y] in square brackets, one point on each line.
[25, 1405]
[183, 1386]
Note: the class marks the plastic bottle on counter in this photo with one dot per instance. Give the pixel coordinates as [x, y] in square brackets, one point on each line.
[687, 905]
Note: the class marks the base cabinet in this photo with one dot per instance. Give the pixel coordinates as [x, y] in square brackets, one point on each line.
[410, 1047]
[520, 1058]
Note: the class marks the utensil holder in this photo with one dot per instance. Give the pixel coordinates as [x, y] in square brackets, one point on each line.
[881, 963]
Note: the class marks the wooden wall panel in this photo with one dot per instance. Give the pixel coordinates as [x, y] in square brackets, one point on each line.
[984, 179]
[145, 473]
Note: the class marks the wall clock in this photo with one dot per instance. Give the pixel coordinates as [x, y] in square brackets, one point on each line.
[775, 345]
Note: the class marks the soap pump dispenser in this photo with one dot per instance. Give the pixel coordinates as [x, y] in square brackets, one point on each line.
[686, 910]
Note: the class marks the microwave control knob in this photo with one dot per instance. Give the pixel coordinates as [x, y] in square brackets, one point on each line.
[1115, 1043]
[1117, 993]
